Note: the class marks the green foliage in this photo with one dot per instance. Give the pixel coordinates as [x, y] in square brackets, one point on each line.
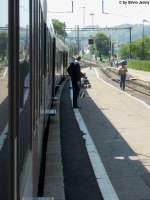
[146, 47]
[136, 49]
[124, 51]
[139, 64]
[93, 49]
[86, 57]
[73, 49]
[102, 43]
[59, 27]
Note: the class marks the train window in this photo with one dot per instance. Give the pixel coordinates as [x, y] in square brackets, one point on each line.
[41, 62]
[50, 59]
[3, 99]
[24, 82]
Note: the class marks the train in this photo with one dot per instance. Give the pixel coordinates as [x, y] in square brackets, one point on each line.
[33, 61]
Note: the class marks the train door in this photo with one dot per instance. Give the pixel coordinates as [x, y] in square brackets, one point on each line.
[24, 93]
[4, 99]
[19, 91]
[53, 67]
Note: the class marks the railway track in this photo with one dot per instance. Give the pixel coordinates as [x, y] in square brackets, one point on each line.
[136, 87]
[142, 87]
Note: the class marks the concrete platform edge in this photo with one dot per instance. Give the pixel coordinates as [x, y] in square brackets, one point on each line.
[54, 178]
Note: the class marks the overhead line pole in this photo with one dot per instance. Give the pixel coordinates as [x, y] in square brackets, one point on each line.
[83, 7]
[78, 41]
[103, 6]
[130, 55]
[61, 12]
[92, 17]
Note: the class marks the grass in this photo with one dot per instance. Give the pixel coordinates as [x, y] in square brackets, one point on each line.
[139, 65]
[3, 61]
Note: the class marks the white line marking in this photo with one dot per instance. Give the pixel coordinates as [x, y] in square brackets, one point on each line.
[3, 136]
[123, 92]
[26, 95]
[102, 178]
[5, 72]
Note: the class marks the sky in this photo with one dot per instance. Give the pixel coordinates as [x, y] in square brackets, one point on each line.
[24, 15]
[121, 12]
[3, 12]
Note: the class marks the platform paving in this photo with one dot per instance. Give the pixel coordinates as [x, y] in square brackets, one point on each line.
[120, 128]
[79, 179]
[69, 175]
[54, 178]
[139, 74]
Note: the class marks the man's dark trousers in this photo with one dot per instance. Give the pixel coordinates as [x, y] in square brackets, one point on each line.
[76, 90]
[122, 81]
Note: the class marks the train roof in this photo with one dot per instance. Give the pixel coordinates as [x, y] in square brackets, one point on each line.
[60, 45]
[50, 27]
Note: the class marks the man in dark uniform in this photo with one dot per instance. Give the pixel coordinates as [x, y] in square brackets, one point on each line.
[76, 74]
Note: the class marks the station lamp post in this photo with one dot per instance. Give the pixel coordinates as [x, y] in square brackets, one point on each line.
[83, 7]
[61, 12]
[92, 17]
[103, 9]
[103, 6]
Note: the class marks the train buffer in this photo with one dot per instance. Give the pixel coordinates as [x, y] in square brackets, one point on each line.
[103, 150]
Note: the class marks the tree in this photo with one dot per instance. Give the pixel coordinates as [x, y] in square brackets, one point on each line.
[147, 47]
[136, 49]
[102, 44]
[124, 51]
[93, 49]
[73, 49]
[59, 27]
[3, 44]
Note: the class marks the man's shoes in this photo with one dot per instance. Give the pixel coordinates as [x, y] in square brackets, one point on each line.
[76, 107]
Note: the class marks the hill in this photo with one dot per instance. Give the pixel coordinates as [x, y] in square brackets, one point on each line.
[121, 36]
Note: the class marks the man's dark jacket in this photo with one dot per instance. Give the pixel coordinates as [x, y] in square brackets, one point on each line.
[74, 71]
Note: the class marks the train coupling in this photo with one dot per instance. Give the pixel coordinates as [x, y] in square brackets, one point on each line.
[38, 198]
[55, 98]
[51, 112]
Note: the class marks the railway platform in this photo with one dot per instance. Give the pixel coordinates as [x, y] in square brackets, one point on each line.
[141, 75]
[103, 147]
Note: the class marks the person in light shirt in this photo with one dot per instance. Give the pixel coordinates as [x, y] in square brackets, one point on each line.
[122, 70]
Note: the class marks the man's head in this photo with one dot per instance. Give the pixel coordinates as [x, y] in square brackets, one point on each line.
[78, 58]
[124, 62]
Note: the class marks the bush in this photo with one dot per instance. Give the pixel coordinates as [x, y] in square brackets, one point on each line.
[139, 64]
[86, 57]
